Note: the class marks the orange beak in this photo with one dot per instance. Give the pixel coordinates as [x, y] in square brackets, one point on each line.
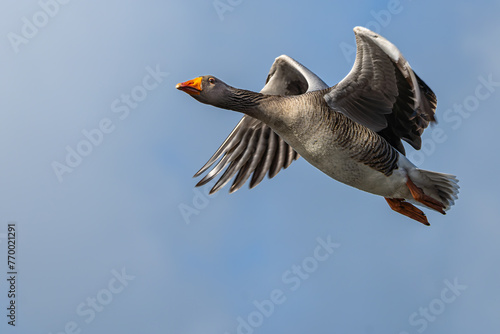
[192, 87]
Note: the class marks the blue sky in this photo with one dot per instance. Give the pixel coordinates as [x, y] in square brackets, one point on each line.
[102, 245]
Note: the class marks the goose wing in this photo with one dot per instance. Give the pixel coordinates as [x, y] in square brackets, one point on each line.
[253, 147]
[289, 77]
[383, 93]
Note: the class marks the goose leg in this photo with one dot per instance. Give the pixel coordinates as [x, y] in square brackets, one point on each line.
[419, 196]
[400, 206]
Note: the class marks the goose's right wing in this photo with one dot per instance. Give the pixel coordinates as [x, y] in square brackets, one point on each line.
[253, 147]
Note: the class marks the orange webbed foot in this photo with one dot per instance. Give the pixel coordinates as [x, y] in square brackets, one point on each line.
[401, 206]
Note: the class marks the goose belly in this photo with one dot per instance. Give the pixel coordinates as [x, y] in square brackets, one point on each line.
[336, 162]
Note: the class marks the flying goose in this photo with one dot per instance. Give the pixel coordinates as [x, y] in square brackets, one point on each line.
[352, 131]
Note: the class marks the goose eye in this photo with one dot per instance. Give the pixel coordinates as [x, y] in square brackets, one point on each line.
[211, 80]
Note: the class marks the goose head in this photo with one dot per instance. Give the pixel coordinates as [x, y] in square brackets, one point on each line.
[207, 89]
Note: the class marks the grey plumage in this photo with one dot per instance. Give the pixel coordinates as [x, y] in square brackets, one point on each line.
[352, 131]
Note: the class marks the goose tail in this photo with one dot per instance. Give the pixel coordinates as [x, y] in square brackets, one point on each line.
[438, 191]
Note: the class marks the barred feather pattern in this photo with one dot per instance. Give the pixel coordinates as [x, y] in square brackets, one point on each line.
[363, 144]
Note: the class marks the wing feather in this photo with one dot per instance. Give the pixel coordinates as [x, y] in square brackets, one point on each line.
[383, 93]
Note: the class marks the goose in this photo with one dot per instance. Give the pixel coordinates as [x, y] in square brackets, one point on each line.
[352, 131]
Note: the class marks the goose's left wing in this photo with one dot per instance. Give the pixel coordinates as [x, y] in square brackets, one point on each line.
[383, 93]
